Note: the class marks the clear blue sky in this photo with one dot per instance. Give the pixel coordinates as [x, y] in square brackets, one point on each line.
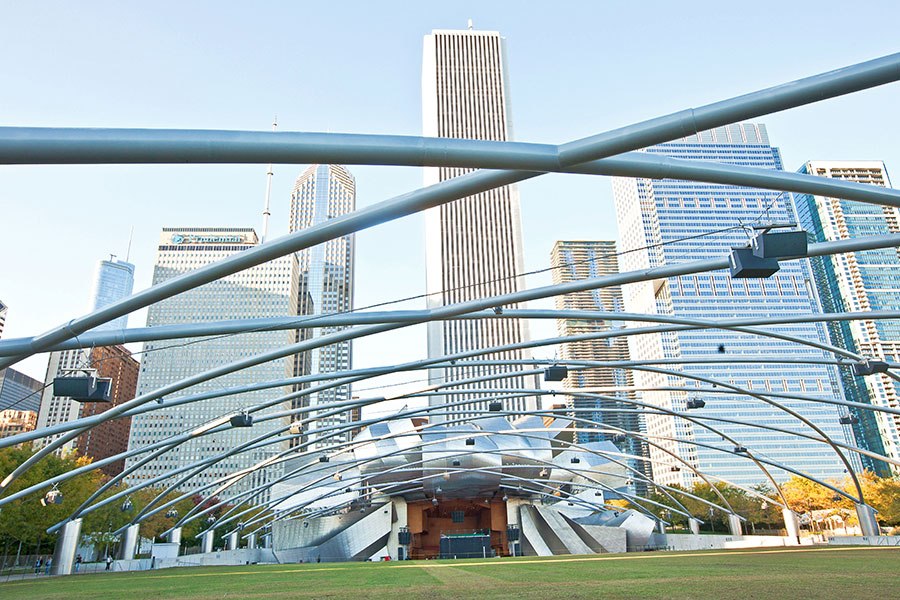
[576, 68]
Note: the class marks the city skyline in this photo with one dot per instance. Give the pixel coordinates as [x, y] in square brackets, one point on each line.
[726, 396]
[577, 108]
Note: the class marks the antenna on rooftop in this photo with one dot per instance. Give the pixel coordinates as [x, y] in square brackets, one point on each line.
[266, 213]
[128, 252]
[470, 25]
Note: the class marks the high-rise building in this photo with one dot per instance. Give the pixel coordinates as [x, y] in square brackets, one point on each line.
[113, 280]
[324, 284]
[110, 438]
[19, 391]
[859, 281]
[658, 224]
[258, 292]
[573, 260]
[473, 245]
[20, 397]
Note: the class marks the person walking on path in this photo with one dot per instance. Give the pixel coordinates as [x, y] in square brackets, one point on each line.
[47, 567]
[78, 560]
[38, 564]
[108, 562]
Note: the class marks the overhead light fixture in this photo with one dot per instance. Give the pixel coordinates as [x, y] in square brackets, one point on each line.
[746, 265]
[242, 420]
[87, 388]
[54, 496]
[870, 367]
[848, 419]
[555, 373]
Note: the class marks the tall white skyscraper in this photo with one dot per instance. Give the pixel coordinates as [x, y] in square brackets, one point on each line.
[859, 281]
[113, 280]
[654, 217]
[473, 245]
[258, 292]
[324, 283]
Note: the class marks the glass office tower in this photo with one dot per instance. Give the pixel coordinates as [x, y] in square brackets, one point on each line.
[113, 280]
[324, 286]
[859, 281]
[655, 217]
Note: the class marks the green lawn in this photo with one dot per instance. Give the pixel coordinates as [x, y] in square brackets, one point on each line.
[777, 573]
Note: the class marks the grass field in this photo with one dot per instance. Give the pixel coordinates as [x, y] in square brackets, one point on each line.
[777, 573]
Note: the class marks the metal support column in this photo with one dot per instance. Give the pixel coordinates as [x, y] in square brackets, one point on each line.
[867, 521]
[251, 541]
[175, 536]
[231, 541]
[129, 541]
[791, 525]
[398, 522]
[734, 525]
[694, 524]
[66, 545]
[206, 541]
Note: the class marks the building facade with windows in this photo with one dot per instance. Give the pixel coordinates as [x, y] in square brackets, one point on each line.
[19, 391]
[258, 292]
[573, 260]
[111, 437]
[473, 245]
[324, 286]
[658, 225]
[859, 281]
[20, 397]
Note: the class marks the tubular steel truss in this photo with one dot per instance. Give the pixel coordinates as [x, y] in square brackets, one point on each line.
[501, 163]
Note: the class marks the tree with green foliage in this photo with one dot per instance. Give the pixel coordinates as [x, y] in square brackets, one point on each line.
[24, 522]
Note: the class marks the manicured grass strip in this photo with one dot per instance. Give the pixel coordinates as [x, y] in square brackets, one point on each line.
[838, 573]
